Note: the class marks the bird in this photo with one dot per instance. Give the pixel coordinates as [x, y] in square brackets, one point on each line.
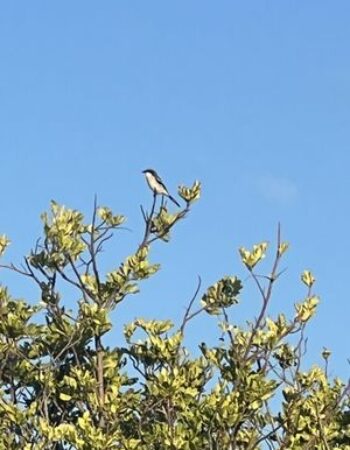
[156, 184]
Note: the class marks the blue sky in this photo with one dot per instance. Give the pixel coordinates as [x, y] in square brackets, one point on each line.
[251, 98]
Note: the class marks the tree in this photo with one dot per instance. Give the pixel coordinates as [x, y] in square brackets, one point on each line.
[62, 388]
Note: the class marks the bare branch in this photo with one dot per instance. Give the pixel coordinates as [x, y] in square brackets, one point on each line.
[187, 317]
[149, 220]
[92, 246]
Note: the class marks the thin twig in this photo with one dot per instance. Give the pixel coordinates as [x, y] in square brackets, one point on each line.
[92, 245]
[187, 315]
[149, 223]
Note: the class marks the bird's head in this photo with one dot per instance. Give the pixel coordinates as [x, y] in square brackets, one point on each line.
[151, 171]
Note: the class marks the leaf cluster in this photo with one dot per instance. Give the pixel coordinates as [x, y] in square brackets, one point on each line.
[62, 387]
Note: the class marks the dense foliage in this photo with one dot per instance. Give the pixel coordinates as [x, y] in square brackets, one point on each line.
[62, 388]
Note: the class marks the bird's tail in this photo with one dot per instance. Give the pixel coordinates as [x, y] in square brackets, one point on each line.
[173, 200]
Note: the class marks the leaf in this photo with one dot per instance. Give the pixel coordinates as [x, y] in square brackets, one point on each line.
[65, 397]
[283, 247]
[252, 257]
[190, 194]
[4, 243]
[222, 294]
[307, 278]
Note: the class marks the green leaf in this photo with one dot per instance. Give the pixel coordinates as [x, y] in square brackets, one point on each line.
[65, 397]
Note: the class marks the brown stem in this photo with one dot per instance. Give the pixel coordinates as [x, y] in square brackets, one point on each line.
[188, 315]
[148, 220]
[93, 253]
[265, 296]
[100, 378]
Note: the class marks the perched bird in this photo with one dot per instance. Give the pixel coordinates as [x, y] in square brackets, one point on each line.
[156, 184]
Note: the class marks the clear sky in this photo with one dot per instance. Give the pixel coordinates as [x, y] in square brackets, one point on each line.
[252, 98]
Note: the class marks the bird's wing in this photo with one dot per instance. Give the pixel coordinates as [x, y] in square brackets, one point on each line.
[160, 181]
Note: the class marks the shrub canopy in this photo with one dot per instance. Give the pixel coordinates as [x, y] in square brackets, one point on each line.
[61, 387]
